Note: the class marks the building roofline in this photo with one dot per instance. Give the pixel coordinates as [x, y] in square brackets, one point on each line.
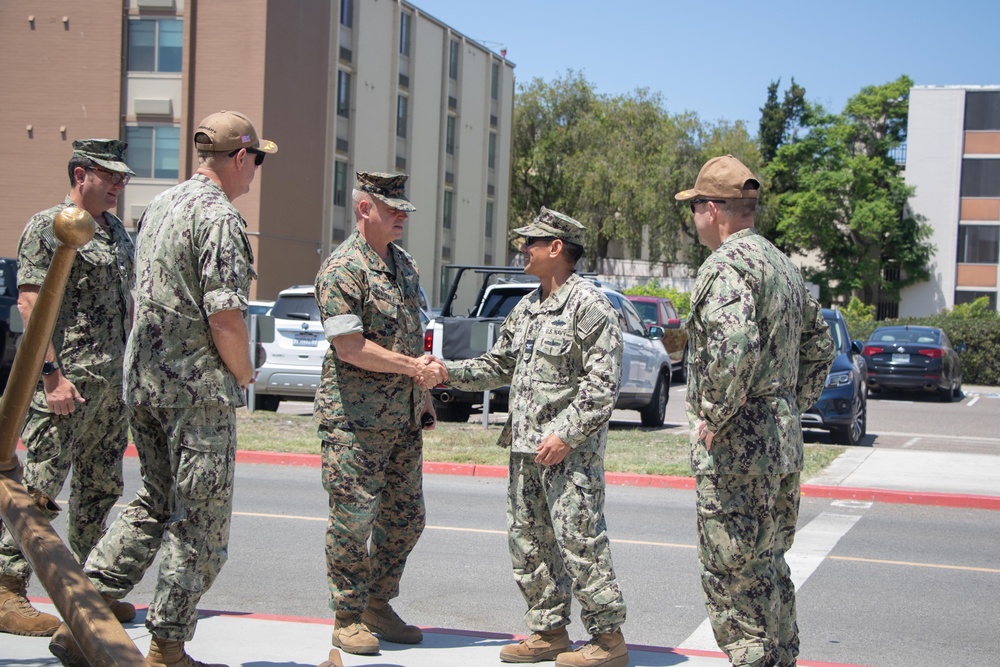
[990, 87]
[469, 40]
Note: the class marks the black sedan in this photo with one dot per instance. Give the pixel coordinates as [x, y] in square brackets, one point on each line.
[914, 358]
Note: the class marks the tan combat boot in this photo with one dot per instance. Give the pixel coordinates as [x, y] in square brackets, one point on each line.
[350, 634]
[123, 611]
[604, 650]
[17, 616]
[171, 653]
[543, 645]
[64, 646]
[332, 660]
[380, 618]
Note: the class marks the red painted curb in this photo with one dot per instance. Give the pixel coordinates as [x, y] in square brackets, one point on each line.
[930, 498]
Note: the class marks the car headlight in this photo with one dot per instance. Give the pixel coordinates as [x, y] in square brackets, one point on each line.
[841, 379]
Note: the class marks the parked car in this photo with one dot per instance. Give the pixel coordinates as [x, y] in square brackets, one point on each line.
[842, 408]
[294, 359]
[660, 311]
[10, 318]
[914, 358]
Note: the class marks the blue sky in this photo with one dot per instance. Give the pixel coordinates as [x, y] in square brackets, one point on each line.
[717, 58]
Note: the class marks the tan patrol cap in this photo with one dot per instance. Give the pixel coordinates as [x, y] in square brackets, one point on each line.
[723, 177]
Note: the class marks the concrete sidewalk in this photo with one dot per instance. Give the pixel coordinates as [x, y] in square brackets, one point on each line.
[272, 641]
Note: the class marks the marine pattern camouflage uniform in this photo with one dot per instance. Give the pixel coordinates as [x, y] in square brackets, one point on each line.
[755, 332]
[372, 445]
[562, 358]
[89, 340]
[193, 259]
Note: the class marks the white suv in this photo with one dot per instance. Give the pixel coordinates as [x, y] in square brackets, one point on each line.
[294, 361]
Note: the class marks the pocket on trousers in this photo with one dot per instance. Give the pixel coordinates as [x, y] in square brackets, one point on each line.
[205, 470]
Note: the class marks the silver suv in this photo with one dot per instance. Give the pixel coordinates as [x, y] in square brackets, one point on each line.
[294, 362]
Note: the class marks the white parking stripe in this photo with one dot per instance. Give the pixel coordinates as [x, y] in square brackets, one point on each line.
[812, 544]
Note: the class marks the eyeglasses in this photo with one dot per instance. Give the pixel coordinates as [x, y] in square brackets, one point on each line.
[695, 202]
[531, 240]
[258, 155]
[116, 177]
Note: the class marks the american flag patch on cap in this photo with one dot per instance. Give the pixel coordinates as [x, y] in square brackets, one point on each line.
[245, 138]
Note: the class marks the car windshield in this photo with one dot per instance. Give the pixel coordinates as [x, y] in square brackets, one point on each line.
[904, 335]
[647, 311]
[296, 307]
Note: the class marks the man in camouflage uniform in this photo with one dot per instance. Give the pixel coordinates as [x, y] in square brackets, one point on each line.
[76, 416]
[370, 406]
[560, 350]
[759, 355]
[187, 364]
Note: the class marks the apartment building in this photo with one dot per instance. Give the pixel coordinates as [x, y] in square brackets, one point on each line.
[953, 160]
[339, 85]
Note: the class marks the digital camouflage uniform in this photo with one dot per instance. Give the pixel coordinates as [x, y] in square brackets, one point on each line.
[562, 358]
[755, 332]
[369, 424]
[193, 259]
[89, 340]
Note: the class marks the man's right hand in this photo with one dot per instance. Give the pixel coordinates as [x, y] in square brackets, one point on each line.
[61, 395]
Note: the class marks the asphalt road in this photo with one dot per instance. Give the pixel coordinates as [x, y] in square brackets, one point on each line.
[879, 584]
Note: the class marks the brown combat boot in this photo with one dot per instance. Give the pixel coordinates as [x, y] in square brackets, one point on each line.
[604, 650]
[380, 618]
[123, 611]
[332, 660]
[64, 646]
[543, 645]
[171, 653]
[17, 616]
[350, 634]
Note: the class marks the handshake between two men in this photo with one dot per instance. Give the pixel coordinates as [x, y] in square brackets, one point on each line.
[430, 371]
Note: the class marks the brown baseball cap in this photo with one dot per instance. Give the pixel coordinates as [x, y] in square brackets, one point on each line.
[228, 131]
[723, 177]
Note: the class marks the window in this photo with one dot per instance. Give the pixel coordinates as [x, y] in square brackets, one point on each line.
[347, 13]
[982, 110]
[495, 81]
[401, 106]
[492, 154]
[453, 60]
[978, 244]
[980, 178]
[489, 219]
[449, 145]
[448, 195]
[344, 94]
[340, 183]
[404, 33]
[964, 296]
[155, 45]
[153, 152]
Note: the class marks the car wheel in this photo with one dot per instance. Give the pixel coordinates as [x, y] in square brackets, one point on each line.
[959, 394]
[854, 433]
[652, 415]
[452, 412]
[266, 402]
[947, 394]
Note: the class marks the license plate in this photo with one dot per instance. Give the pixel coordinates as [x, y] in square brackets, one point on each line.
[900, 358]
[305, 340]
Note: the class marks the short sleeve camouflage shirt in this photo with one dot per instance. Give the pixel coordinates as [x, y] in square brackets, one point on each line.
[193, 259]
[354, 286]
[93, 321]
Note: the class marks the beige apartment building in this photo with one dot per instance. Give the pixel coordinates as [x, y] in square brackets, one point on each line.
[339, 85]
[953, 160]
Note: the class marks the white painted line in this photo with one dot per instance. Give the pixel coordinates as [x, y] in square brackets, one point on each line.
[973, 401]
[812, 544]
[910, 442]
[948, 436]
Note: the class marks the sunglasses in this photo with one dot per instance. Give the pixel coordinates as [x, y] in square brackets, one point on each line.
[116, 177]
[531, 240]
[695, 202]
[258, 155]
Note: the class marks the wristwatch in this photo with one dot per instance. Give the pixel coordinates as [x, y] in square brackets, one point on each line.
[49, 367]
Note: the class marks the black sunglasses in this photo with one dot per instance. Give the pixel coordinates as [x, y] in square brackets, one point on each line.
[695, 202]
[258, 155]
[531, 240]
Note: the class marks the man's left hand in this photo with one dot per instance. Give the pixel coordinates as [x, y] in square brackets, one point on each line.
[552, 451]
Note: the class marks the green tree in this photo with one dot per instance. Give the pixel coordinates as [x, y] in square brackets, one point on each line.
[848, 202]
